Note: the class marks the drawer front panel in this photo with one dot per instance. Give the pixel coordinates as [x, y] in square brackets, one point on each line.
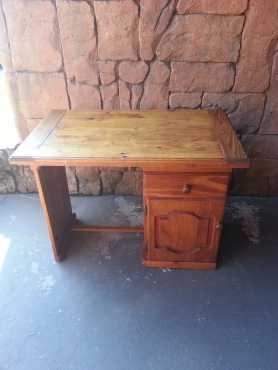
[185, 185]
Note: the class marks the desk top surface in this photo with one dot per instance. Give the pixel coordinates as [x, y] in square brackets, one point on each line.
[134, 136]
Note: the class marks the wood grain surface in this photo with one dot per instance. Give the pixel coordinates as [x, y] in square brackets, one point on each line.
[54, 196]
[185, 185]
[131, 138]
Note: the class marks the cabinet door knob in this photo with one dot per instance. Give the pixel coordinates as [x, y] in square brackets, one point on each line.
[187, 188]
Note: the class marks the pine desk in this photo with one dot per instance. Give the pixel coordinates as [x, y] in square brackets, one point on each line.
[186, 156]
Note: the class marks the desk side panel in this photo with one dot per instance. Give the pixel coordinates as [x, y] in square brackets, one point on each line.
[55, 201]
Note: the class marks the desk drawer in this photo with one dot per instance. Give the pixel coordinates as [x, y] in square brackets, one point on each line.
[185, 185]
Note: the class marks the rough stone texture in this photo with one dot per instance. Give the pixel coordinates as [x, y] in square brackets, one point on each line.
[136, 95]
[25, 180]
[7, 180]
[261, 146]
[270, 121]
[131, 183]
[5, 53]
[154, 18]
[7, 183]
[156, 87]
[79, 42]
[117, 23]
[4, 160]
[88, 180]
[107, 72]
[244, 110]
[72, 180]
[33, 35]
[10, 109]
[21, 178]
[110, 96]
[202, 38]
[84, 96]
[195, 77]
[39, 93]
[124, 96]
[133, 72]
[110, 179]
[212, 6]
[257, 42]
[131, 54]
[261, 178]
[185, 100]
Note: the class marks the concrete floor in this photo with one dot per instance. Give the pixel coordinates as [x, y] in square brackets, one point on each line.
[101, 309]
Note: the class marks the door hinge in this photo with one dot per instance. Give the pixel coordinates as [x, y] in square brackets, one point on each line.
[146, 209]
[219, 225]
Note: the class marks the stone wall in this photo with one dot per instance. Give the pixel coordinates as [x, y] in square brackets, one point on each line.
[144, 54]
[82, 180]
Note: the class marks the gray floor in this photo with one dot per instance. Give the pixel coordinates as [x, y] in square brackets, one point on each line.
[101, 309]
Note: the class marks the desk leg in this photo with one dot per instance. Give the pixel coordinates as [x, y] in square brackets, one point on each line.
[54, 196]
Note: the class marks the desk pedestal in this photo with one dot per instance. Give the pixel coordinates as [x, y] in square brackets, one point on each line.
[182, 216]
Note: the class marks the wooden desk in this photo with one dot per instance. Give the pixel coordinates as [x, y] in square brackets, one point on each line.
[186, 156]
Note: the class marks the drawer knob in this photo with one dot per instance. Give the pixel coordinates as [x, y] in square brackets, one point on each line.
[187, 188]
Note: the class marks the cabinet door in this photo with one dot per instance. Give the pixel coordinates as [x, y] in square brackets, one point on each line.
[183, 230]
